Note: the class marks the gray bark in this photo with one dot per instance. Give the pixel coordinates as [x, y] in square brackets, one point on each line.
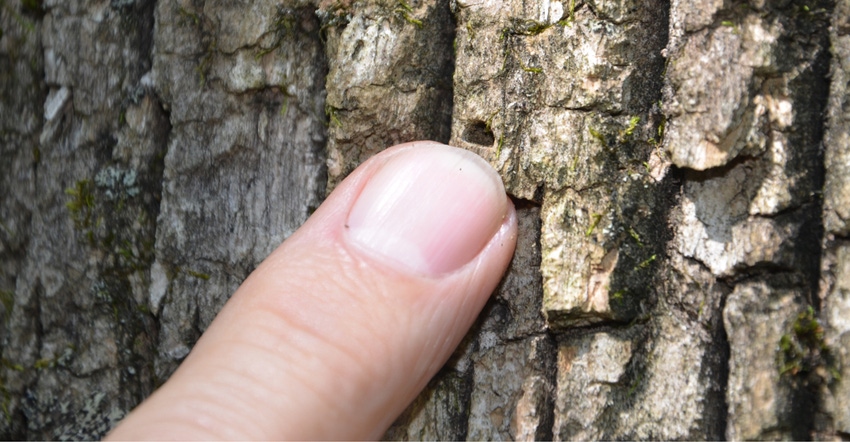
[680, 171]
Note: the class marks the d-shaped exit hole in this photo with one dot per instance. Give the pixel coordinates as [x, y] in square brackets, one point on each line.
[478, 133]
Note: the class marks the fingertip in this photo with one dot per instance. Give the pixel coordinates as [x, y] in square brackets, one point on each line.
[355, 312]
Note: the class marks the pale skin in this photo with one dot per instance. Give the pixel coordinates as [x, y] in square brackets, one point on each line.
[339, 329]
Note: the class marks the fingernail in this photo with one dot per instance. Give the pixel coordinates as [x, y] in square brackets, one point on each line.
[430, 209]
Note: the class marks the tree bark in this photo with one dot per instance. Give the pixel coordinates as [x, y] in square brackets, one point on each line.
[680, 170]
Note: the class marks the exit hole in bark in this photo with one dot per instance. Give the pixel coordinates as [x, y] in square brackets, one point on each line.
[478, 133]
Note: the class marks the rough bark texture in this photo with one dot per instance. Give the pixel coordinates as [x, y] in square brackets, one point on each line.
[680, 169]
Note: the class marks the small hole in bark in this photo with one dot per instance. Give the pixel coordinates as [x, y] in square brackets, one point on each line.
[478, 133]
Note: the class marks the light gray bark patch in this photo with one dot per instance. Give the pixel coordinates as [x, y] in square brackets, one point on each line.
[763, 402]
[835, 266]
[561, 97]
[749, 208]
[245, 164]
[92, 198]
[390, 78]
[837, 137]
[591, 367]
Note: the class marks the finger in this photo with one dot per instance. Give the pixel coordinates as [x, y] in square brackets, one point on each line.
[339, 329]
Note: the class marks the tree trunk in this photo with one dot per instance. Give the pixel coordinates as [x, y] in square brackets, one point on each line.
[680, 170]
